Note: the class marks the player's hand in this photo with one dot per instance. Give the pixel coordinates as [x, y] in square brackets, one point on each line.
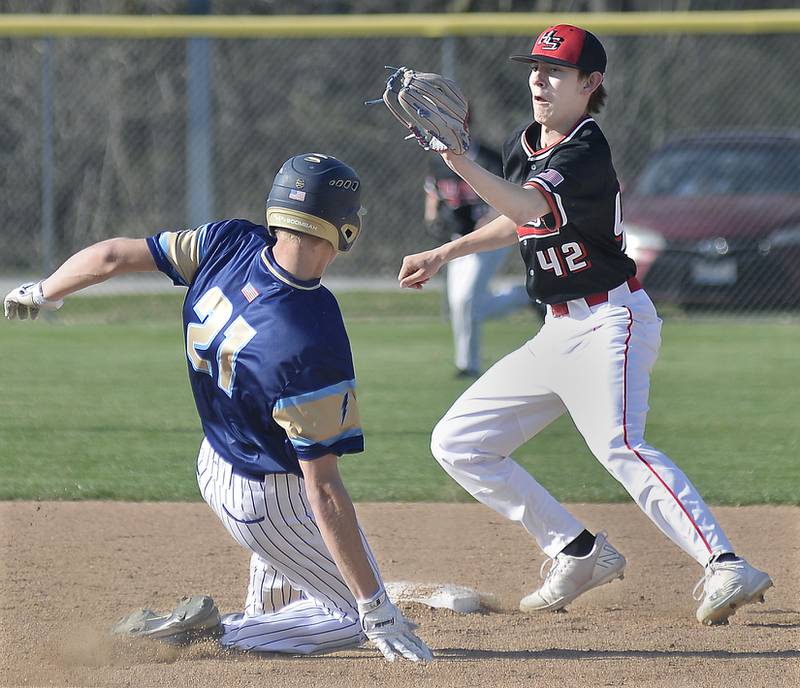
[385, 625]
[26, 301]
[418, 268]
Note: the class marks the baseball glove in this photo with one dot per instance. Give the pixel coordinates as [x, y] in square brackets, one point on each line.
[432, 107]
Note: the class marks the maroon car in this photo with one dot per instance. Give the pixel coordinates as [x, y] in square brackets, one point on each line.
[714, 220]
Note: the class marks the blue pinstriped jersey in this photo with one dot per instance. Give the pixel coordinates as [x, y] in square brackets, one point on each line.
[268, 355]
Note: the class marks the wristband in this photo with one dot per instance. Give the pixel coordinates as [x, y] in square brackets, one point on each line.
[372, 602]
[37, 295]
[39, 300]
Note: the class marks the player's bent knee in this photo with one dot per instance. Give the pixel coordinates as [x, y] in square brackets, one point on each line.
[445, 445]
[439, 442]
[456, 448]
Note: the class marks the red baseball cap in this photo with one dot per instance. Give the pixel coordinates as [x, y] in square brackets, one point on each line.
[568, 46]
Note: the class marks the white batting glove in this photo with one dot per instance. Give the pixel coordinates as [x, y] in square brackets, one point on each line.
[26, 301]
[384, 624]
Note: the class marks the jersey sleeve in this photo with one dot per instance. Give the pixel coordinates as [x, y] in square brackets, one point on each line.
[320, 419]
[575, 176]
[179, 254]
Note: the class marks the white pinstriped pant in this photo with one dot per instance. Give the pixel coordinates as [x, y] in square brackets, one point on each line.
[297, 601]
[594, 364]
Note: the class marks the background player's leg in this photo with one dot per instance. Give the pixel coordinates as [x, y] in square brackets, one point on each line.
[272, 519]
[496, 304]
[508, 405]
[268, 590]
[608, 400]
[462, 274]
[471, 301]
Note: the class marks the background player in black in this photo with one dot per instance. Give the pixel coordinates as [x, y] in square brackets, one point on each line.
[452, 210]
[593, 355]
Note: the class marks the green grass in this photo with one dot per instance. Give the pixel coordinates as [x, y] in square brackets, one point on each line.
[95, 404]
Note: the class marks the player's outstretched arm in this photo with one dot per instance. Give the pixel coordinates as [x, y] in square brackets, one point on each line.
[418, 268]
[382, 621]
[98, 263]
[516, 202]
[92, 265]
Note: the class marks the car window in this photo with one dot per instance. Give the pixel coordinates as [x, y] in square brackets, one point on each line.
[729, 169]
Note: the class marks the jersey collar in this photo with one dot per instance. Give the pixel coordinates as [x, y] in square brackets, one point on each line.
[532, 153]
[285, 276]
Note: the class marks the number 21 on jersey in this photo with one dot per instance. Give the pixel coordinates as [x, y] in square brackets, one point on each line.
[214, 311]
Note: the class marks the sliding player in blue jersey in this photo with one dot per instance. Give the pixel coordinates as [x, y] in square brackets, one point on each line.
[272, 376]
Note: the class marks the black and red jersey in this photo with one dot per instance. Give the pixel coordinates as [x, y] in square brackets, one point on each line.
[459, 207]
[578, 248]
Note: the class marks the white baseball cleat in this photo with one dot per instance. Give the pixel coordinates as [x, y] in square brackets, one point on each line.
[194, 618]
[572, 576]
[726, 586]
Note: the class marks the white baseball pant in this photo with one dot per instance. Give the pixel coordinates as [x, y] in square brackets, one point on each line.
[595, 364]
[297, 601]
[471, 301]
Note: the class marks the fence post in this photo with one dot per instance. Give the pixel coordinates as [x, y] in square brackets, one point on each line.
[448, 57]
[199, 136]
[48, 173]
[448, 60]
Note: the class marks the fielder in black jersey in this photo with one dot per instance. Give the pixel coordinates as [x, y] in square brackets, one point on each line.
[560, 199]
[577, 248]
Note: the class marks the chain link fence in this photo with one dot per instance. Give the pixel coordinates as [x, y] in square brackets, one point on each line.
[104, 137]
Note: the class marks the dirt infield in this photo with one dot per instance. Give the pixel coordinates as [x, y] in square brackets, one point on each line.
[69, 570]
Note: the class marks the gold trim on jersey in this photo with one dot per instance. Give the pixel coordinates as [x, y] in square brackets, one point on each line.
[320, 421]
[183, 251]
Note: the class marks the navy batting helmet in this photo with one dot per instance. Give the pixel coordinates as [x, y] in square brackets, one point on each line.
[319, 195]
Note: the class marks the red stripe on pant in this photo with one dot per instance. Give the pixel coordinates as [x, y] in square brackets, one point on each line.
[625, 434]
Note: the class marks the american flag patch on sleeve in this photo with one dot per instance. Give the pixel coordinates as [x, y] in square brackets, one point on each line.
[250, 292]
[552, 177]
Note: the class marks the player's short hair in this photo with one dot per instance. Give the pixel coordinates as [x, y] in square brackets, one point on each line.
[598, 98]
[298, 236]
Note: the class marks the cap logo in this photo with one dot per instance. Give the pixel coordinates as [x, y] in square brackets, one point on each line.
[299, 182]
[549, 40]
